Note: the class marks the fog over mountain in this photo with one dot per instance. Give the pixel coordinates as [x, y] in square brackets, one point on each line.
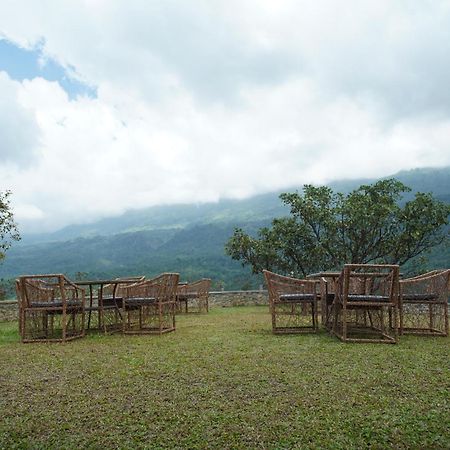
[184, 238]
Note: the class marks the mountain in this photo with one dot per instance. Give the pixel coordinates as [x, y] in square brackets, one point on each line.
[184, 238]
[172, 217]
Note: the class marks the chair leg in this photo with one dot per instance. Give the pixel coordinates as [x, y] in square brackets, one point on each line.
[430, 312]
[314, 316]
[316, 309]
[400, 309]
[45, 324]
[274, 319]
[446, 318]
[382, 329]
[395, 313]
[22, 322]
[344, 324]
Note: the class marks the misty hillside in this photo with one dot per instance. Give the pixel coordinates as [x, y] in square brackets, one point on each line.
[184, 238]
[261, 207]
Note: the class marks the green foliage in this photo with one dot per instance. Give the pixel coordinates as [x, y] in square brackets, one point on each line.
[327, 229]
[7, 289]
[195, 252]
[8, 228]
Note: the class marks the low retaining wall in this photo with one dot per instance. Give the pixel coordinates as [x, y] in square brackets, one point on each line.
[9, 310]
[238, 298]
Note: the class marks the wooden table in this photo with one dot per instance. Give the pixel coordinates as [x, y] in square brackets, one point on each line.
[100, 299]
[327, 295]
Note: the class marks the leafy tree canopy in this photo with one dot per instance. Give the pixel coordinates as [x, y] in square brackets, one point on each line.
[8, 228]
[326, 230]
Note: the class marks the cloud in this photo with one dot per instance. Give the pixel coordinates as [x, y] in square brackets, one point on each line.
[202, 100]
[19, 132]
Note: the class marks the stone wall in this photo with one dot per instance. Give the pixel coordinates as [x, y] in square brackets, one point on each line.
[9, 310]
[238, 298]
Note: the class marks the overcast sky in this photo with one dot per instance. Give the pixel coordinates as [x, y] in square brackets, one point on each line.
[107, 105]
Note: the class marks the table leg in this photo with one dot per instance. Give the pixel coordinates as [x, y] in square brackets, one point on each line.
[100, 309]
[90, 307]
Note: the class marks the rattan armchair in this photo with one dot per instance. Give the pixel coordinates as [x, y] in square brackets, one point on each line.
[115, 292]
[327, 295]
[194, 296]
[291, 301]
[424, 304]
[51, 308]
[148, 307]
[365, 307]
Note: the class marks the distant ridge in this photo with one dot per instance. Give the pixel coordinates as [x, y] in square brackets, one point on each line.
[188, 239]
[260, 207]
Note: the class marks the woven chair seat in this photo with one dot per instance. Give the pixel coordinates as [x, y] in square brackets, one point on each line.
[111, 301]
[296, 297]
[420, 297]
[56, 304]
[367, 298]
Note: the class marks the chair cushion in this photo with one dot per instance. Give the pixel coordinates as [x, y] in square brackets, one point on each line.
[368, 298]
[56, 304]
[111, 301]
[419, 297]
[296, 297]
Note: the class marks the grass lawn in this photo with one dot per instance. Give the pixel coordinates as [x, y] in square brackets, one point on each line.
[222, 380]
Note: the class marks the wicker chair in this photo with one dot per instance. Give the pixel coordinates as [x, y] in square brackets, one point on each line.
[365, 308]
[148, 307]
[424, 304]
[327, 294]
[105, 302]
[291, 300]
[51, 308]
[194, 296]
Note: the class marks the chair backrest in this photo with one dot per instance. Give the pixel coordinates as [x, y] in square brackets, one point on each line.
[118, 290]
[199, 287]
[46, 288]
[18, 292]
[279, 284]
[425, 275]
[375, 280]
[435, 283]
[163, 288]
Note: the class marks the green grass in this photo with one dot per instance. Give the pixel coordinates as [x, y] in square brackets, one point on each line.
[222, 380]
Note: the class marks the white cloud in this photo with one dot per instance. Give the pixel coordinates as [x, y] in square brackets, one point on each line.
[202, 100]
[19, 132]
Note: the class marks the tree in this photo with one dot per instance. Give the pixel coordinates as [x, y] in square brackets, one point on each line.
[326, 230]
[8, 228]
